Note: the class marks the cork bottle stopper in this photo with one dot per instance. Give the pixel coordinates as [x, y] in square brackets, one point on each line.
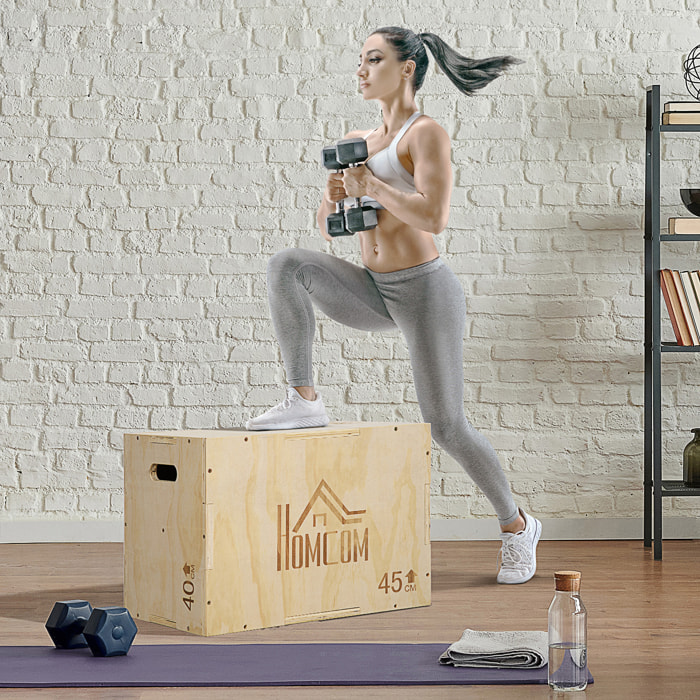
[567, 581]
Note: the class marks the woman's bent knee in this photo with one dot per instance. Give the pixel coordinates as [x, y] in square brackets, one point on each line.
[286, 263]
[283, 261]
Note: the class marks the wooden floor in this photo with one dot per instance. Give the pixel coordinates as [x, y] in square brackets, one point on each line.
[644, 617]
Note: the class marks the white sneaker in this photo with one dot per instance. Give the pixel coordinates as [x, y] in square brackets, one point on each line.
[517, 556]
[294, 412]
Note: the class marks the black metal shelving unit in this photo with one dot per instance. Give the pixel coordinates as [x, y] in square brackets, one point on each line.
[655, 487]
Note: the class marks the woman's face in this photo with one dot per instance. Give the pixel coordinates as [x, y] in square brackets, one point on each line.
[379, 70]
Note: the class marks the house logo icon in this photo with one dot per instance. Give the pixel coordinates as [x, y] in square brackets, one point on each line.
[325, 534]
[326, 494]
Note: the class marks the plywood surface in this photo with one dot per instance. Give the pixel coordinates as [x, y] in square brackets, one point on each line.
[268, 528]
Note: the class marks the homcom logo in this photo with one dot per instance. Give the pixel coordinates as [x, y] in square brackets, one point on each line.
[322, 546]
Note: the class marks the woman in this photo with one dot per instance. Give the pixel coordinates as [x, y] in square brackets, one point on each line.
[404, 283]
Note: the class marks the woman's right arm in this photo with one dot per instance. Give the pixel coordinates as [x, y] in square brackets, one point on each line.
[333, 192]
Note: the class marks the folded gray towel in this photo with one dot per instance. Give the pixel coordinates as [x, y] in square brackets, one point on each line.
[478, 649]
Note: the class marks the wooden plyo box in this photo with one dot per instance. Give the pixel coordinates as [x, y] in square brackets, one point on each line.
[235, 530]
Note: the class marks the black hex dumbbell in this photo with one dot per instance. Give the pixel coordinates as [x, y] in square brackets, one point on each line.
[67, 622]
[335, 223]
[353, 153]
[74, 624]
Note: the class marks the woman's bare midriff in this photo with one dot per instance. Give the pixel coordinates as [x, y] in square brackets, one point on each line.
[393, 245]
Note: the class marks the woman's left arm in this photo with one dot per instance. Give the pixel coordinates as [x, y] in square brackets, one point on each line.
[427, 209]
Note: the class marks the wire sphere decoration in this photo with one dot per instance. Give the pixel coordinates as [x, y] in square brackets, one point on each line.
[691, 73]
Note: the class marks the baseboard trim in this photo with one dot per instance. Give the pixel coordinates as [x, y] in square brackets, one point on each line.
[40, 531]
[441, 530]
[674, 528]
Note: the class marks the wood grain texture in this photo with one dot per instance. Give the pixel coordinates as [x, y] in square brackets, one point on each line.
[644, 620]
[262, 529]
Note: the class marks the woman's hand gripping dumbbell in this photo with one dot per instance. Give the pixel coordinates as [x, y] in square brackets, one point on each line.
[352, 153]
[335, 222]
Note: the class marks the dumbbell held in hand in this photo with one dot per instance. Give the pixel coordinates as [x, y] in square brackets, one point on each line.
[352, 153]
[74, 624]
[335, 223]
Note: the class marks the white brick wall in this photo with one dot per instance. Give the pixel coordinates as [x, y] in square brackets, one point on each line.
[155, 153]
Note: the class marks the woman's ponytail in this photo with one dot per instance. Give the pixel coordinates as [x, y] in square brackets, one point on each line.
[467, 74]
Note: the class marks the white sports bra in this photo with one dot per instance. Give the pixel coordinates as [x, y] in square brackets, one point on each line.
[386, 166]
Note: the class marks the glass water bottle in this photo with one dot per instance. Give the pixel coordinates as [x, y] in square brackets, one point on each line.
[691, 460]
[568, 653]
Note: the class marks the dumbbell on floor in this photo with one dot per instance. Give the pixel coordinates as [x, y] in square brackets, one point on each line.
[352, 153]
[74, 624]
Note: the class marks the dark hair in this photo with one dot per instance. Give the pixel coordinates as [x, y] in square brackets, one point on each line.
[468, 74]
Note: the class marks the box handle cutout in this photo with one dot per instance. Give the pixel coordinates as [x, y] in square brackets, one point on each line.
[163, 472]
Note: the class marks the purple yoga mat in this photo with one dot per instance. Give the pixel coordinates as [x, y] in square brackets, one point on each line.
[248, 665]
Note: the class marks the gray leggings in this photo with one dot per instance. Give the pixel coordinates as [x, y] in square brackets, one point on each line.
[427, 304]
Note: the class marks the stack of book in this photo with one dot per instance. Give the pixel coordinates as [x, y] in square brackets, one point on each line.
[681, 113]
[681, 290]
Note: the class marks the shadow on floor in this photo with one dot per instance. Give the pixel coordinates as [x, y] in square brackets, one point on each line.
[35, 606]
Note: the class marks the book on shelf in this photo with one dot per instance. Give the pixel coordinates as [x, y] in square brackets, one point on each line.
[686, 106]
[693, 310]
[695, 281]
[681, 292]
[673, 306]
[684, 225]
[680, 117]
